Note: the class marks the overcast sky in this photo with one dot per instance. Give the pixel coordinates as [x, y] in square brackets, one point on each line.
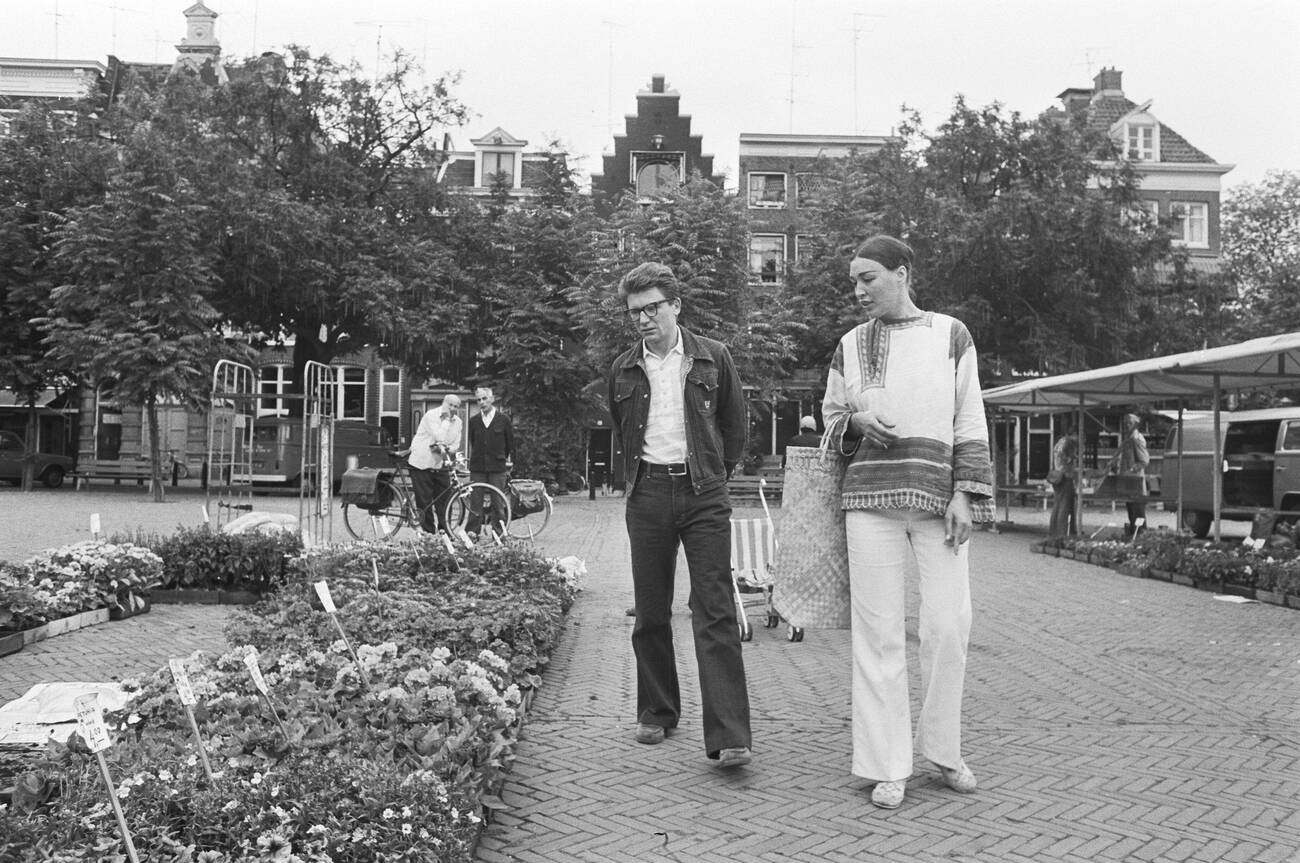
[1223, 74]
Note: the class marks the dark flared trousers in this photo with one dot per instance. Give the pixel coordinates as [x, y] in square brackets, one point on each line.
[430, 486]
[662, 513]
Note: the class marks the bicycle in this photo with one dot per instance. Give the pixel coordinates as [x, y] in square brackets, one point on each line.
[530, 508]
[394, 507]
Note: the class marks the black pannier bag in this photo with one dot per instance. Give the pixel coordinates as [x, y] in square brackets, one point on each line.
[363, 487]
[527, 496]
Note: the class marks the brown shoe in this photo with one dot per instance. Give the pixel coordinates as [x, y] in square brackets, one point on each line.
[646, 733]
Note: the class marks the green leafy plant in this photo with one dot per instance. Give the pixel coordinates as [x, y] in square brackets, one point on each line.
[203, 559]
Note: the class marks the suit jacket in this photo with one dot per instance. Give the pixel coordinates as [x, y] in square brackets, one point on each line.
[490, 446]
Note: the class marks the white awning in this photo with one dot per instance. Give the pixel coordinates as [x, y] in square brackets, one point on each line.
[1272, 361]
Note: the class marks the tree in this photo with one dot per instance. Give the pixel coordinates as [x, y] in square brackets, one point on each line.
[47, 165]
[327, 212]
[136, 307]
[1261, 246]
[701, 233]
[1019, 231]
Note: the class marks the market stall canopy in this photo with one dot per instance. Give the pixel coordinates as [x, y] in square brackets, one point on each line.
[1272, 361]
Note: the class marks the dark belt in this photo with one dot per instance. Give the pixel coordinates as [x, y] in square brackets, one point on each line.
[675, 469]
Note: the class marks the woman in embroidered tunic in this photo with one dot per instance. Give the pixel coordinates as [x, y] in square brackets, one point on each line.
[903, 399]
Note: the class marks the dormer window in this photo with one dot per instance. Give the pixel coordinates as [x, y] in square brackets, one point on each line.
[1142, 142]
[498, 164]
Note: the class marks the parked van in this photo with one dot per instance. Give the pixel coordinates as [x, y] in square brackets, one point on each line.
[277, 449]
[1261, 466]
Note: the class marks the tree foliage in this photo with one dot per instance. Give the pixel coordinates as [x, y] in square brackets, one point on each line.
[1018, 228]
[1261, 246]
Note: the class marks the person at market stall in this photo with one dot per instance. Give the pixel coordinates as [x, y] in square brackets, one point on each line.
[1062, 478]
[1133, 459]
[903, 401]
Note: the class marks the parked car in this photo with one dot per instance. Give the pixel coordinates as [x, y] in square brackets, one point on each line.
[277, 449]
[50, 468]
[1261, 466]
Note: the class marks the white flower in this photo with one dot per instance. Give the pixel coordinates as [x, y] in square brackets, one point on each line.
[406, 829]
[230, 806]
[256, 780]
[440, 653]
[317, 830]
[165, 775]
[406, 811]
[123, 790]
[389, 814]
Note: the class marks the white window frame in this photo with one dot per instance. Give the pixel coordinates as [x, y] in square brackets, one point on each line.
[1148, 207]
[756, 272]
[485, 174]
[340, 403]
[1142, 153]
[800, 182]
[391, 386]
[763, 203]
[1188, 214]
[270, 403]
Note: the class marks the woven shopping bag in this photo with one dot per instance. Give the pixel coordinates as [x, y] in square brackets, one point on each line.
[810, 581]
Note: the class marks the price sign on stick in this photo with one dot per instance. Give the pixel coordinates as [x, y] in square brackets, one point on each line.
[323, 591]
[446, 540]
[186, 693]
[374, 567]
[204, 509]
[94, 525]
[90, 723]
[183, 688]
[260, 682]
[255, 671]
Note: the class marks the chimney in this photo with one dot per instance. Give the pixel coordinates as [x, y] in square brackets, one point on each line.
[1108, 82]
[656, 83]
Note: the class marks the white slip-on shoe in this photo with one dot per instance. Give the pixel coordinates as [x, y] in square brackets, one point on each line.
[889, 795]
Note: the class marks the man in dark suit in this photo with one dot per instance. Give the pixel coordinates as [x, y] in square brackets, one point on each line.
[491, 451]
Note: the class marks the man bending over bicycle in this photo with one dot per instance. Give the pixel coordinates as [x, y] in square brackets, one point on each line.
[433, 453]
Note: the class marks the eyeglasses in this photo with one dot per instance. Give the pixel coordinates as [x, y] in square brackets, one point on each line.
[650, 309]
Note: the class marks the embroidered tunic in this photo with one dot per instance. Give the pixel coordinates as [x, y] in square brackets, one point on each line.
[920, 374]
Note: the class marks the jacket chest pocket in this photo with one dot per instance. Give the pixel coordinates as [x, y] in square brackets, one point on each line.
[702, 388]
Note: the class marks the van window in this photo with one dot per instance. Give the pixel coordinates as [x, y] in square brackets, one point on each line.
[1244, 438]
[1292, 438]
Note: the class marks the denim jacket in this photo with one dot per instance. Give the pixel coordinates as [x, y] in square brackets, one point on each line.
[713, 402]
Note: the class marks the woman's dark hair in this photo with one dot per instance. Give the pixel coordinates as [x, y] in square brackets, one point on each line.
[890, 252]
[647, 277]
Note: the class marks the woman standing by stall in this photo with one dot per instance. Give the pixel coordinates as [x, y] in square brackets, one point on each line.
[903, 398]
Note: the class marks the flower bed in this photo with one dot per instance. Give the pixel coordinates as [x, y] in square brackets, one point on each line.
[69, 581]
[406, 768]
[1268, 570]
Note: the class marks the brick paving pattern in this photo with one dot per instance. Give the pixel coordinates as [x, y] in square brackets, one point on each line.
[1108, 719]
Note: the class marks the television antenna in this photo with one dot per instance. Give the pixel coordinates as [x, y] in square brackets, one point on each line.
[857, 32]
[610, 25]
[379, 34]
[794, 48]
[115, 7]
[1089, 57]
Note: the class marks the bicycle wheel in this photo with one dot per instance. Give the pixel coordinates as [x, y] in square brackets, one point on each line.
[470, 507]
[528, 526]
[378, 523]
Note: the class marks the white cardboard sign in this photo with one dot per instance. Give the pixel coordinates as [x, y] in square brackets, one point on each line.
[94, 525]
[256, 671]
[90, 723]
[323, 591]
[183, 688]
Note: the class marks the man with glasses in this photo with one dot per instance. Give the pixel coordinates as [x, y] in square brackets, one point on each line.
[679, 421]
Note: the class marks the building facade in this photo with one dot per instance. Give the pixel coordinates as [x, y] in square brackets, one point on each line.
[497, 157]
[1180, 184]
[656, 151]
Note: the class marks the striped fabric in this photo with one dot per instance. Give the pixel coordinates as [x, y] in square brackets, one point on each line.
[753, 547]
[921, 374]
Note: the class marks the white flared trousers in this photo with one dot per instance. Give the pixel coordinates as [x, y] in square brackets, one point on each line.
[884, 545]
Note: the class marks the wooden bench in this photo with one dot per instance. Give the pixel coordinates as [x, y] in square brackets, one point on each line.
[117, 470]
[744, 489]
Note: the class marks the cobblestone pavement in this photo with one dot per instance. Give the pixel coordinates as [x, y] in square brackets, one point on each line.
[1108, 719]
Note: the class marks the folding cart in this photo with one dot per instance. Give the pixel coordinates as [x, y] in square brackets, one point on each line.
[753, 549]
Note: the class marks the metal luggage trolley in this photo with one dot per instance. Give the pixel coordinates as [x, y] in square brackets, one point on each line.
[753, 549]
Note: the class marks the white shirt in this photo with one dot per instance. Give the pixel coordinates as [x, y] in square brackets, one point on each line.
[434, 429]
[665, 430]
[487, 417]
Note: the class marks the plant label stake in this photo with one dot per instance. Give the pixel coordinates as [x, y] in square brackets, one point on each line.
[94, 525]
[90, 722]
[1138, 524]
[374, 567]
[255, 671]
[204, 509]
[446, 540]
[186, 693]
[323, 591]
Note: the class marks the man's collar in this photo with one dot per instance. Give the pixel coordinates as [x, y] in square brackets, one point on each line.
[675, 349]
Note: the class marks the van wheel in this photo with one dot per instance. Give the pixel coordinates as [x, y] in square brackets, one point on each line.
[1198, 522]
